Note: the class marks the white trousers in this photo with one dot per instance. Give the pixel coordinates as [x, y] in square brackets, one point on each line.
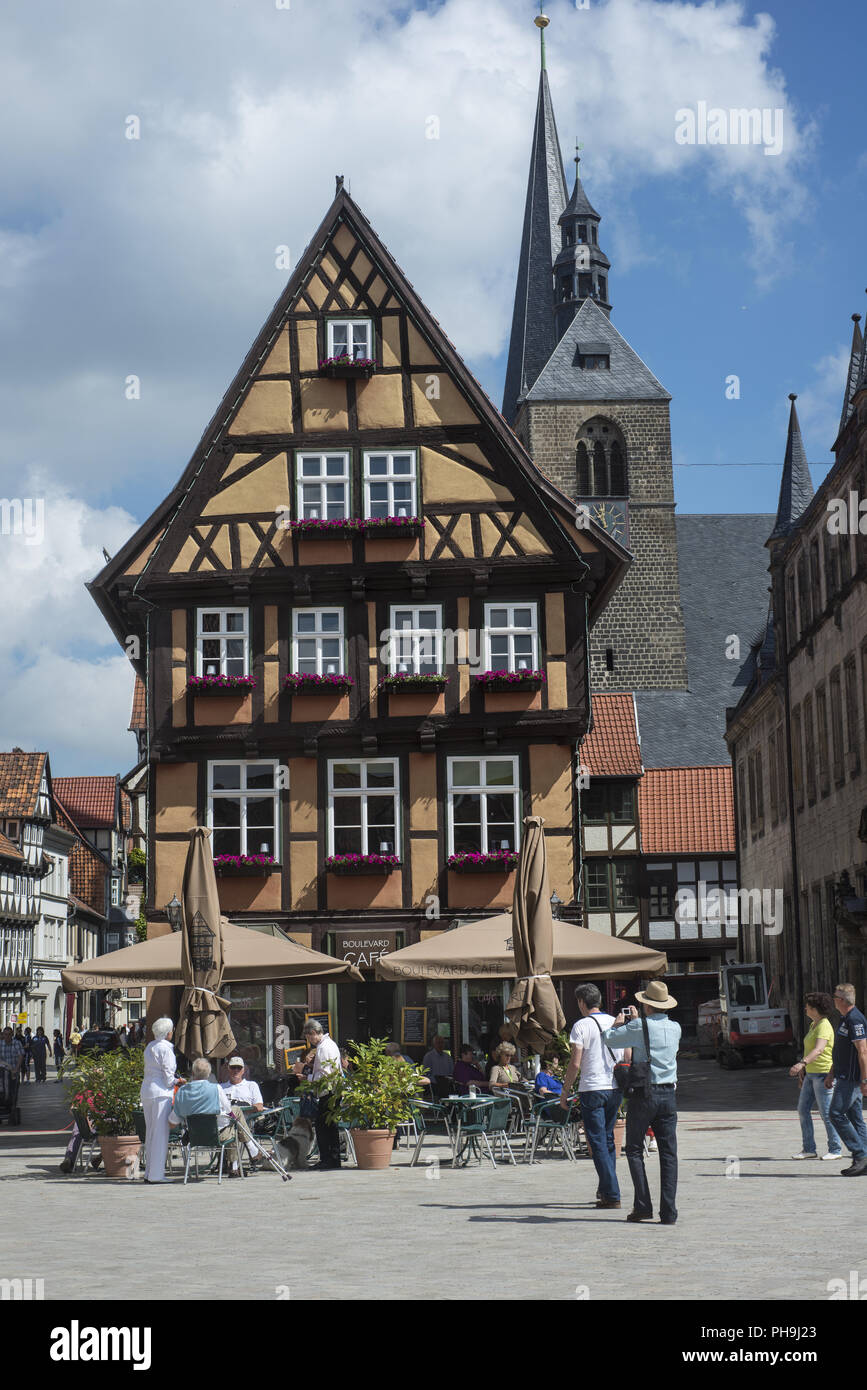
[157, 1106]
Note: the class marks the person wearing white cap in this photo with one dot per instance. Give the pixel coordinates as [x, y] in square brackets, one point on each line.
[242, 1091]
[655, 1037]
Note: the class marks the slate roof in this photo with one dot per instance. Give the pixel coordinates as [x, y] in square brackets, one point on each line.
[20, 776]
[724, 581]
[856, 364]
[138, 713]
[561, 379]
[579, 204]
[611, 749]
[90, 801]
[533, 336]
[796, 485]
[685, 810]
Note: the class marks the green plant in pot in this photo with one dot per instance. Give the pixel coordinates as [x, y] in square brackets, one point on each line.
[372, 1099]
[105, 1087]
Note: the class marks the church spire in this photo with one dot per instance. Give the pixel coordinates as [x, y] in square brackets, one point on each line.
[855, 377]
[796, 486]
[533, 337]
[581, 268]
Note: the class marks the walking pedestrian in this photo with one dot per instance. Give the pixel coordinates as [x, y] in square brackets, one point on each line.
[848, 1077]
[59, 1053]
[327, 1060]
[811, 1071]
[157, 1090]
[656, 1038]
[39, 1047]
[75, 1041]
[599, 1094]
[25, 1040]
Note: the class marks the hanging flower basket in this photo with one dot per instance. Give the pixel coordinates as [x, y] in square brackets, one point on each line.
[317, 685]
[346, 366]
[362, 863]
[393, 527]
[316, 529]
[500, 861]
[509, 680]
[410, 682]
[244, 865]
[221, 685]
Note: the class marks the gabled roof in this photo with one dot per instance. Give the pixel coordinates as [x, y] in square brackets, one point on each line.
[687, 810]
[533, 335]
[796, 485]
[90, 801]
[138, 714]
[562, 379]
[856, 362]
[9, 851]
[86, 908]
[611, 748]
[20, 778]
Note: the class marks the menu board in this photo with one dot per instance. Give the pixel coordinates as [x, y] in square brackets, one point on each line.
[324, 1018]
[413, 1027]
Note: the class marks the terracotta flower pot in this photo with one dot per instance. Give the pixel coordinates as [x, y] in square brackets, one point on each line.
[373, 1147]
[119, 1154]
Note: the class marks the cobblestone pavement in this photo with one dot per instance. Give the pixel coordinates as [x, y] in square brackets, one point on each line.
[753, 1224]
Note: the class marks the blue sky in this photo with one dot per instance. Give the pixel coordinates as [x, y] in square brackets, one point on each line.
[156, 256]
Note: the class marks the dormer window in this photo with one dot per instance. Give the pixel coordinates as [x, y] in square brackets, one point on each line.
[595, 362]
[603, 287]
[351, 338]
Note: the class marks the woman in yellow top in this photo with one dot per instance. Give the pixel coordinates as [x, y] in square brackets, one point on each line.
[503, 1074]
[813, 1068]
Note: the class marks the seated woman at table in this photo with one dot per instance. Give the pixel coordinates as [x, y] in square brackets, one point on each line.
[503, 1073]
[466, 1072]
[547, 1083]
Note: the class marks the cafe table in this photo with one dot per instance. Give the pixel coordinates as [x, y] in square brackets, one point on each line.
[461, 1107]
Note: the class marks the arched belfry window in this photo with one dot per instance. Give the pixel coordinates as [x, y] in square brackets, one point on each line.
[600, 460]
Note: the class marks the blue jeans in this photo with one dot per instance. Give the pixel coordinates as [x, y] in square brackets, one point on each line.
[659, 1114]
[815, 1091]
[847, 1117]
[598, 1113]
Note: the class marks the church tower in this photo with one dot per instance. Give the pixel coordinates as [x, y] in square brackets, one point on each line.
[593, 416]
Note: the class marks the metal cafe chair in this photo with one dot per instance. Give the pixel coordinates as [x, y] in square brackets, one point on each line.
[553, 1126]
[203, 1133]
[472, 1128]
[496, 1121]
[430, 1117]
[89, 1138]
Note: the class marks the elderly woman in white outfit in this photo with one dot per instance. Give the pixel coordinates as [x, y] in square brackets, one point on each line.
[156, 1098]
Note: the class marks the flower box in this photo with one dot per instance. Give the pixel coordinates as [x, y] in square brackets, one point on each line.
[221, 685]
[361, 863]
[412, 683]
[509, 680]
[316, 529]
[317, 685]
[346, 366]
[392, 527]
[501, 861]
[244, 865]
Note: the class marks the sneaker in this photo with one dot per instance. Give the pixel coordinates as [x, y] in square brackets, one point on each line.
[804, 1154]
[828, 1158]
[651, 1148]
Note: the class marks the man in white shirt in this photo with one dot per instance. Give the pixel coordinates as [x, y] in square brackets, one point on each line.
[242, 1091]
[600, 1095]
[327, 1060]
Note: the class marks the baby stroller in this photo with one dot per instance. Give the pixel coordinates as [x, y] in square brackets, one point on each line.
[9, 1108]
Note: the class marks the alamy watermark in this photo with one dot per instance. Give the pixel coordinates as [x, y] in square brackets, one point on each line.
[715, 125]
[23, 516]
[716, 906]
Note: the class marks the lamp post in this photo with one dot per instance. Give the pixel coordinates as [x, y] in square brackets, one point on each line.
[175, 913]
[556, 906]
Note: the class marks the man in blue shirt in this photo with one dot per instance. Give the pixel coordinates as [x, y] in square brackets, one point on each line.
[848, 1077]
[658, 1107]
[201, 1096]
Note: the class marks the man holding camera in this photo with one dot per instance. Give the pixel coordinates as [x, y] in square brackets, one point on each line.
[654, 1106]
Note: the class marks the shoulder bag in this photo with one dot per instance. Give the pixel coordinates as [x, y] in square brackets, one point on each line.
[632, 1078]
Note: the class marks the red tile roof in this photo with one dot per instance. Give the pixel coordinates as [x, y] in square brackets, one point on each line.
[611, 749]
[8, 850]
[87, 875]
[138, 714]
[20, 776]
[89, 800]
[687, 810]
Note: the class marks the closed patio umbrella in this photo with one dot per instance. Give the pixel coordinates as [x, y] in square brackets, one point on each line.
[203, 1024]
[534, 1007]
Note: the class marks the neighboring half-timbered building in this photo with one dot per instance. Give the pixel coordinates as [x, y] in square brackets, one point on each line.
[361, 619]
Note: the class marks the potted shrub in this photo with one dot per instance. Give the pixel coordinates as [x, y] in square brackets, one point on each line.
[373, 1099]
[107, 1085]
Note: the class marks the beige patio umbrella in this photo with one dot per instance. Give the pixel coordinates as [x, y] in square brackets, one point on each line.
[484, 950]
[534, 1007]
[203, 1024]
[247, 956]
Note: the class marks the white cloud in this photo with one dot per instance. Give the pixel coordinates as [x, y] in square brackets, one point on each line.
[75, 709]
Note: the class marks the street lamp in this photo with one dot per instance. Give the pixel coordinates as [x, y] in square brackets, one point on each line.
[175, 913]
[556, 905]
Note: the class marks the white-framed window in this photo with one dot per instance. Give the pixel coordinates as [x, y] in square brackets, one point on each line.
[222, 642]
[390, 482]
[13, 830]
[484, 804]
[243, 804]
[317, 642]
[115, 892]
[323, 486]
[350, 338]
[511, 636]
[363, 813]
[415, 647]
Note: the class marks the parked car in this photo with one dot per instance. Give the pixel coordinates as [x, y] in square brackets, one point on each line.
[99, 1040]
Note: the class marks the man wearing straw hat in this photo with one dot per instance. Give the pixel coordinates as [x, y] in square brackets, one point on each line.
[656, 1107]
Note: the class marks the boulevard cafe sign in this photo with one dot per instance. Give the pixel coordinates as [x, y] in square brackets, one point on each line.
[364, 948]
